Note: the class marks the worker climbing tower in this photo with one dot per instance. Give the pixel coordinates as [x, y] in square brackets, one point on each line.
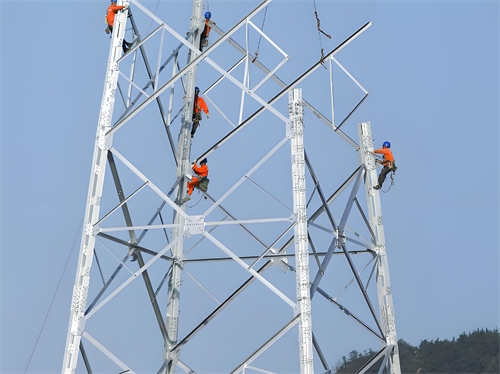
[225, 292]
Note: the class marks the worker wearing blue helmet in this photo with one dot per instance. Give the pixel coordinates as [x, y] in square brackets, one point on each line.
[389, 164]
[206, 31]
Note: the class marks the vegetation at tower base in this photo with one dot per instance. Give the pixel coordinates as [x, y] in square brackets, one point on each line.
[475, 352]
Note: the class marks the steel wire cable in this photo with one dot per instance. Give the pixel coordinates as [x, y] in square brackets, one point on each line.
[53, 298]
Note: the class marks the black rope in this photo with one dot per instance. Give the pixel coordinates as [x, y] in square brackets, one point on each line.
[318, 24]
[260, 37]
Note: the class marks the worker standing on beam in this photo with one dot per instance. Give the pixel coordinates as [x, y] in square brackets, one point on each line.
[388, 162]
[110, 20]
[206, 31]
[199, 105]
[202, 175]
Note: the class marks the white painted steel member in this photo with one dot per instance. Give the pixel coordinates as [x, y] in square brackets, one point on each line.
[102, 145]
[386, 305]
[295, 131]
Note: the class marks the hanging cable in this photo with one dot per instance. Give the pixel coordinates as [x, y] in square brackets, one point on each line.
[53, 298]
[260, 37]
[318, 24]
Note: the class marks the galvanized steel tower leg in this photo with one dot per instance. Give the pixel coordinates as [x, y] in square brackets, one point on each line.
[375, 217]
[295, 132]
[183, 167]
[102, 145]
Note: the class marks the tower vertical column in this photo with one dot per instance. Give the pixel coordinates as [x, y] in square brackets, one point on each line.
[183, 167]
[103, 143]
[386, 305]
[295, 131]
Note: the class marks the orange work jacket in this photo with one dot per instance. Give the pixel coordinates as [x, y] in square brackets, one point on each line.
[110, 16]
[200, 105]
[388, 157]
[201, 171]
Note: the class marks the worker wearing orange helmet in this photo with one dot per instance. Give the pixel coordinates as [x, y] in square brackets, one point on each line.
[388, 162]
[110, 20]
[201, 172]
[199, 106]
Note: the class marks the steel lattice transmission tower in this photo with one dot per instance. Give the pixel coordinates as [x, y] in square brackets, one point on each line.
[230, 239]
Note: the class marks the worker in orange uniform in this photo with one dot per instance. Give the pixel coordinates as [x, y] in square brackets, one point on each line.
[201, 172]
[388, 162]
[110, 20]
[206, 31]
[199, 105]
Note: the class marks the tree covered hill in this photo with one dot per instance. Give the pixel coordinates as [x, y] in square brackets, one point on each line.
[476, 352]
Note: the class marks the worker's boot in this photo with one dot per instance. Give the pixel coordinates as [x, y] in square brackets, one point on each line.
[186, 199]
[377, 187]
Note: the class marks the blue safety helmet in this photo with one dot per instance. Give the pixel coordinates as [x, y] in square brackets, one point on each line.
[196, 89]
[208, 15]
[386, 144]
[204, 161]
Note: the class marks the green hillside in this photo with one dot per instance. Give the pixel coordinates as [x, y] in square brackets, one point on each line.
[476, 352]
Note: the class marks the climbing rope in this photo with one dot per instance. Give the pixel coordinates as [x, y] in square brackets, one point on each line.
[318, 24]
[192, 206]
[392, 182]
[260, 37]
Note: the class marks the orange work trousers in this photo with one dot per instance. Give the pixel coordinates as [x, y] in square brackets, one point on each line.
[192, 185]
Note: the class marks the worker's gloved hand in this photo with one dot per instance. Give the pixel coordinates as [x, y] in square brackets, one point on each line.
[125, 7]
[208, 115]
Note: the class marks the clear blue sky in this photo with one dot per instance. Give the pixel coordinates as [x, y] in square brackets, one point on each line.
[431, 69]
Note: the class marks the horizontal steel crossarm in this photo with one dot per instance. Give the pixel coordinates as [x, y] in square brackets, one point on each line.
[251, 271]
[242, 221]
[147, 227]
[242, 179]
[107, 352]
[151, 184]
[189, 66]
[135, 246]
[365, 244]
[267, 344]
[132, 278]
